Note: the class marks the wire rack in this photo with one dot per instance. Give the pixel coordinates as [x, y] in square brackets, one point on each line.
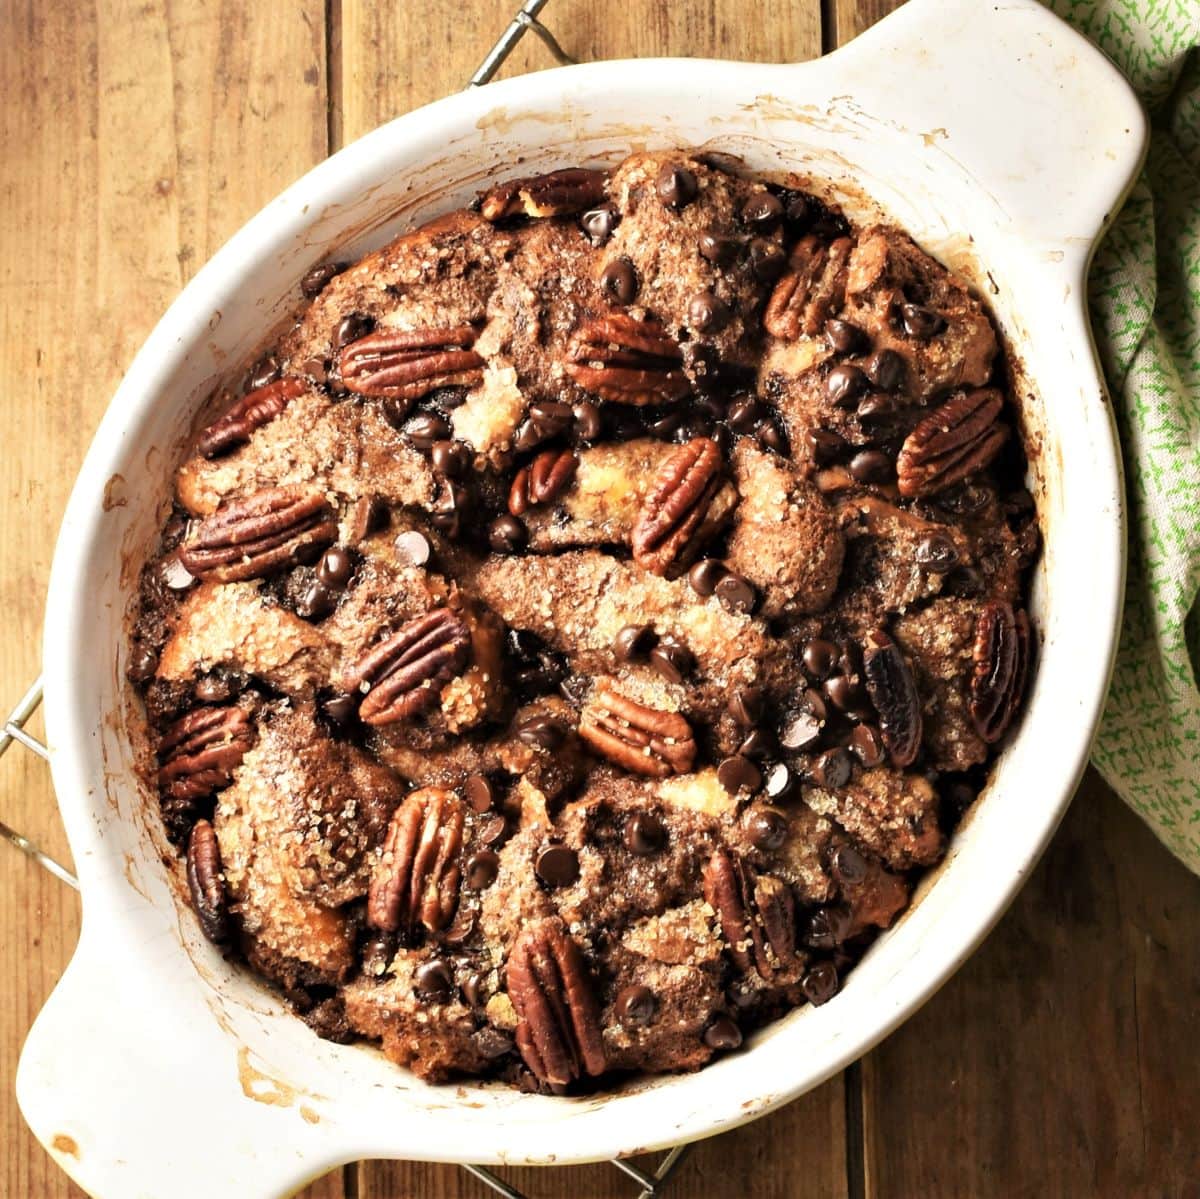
[651, 1183]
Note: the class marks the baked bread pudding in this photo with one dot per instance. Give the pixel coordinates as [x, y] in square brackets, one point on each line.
[574, 638]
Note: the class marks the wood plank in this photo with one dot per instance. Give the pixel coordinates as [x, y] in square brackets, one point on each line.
[761, 1160]
[136, 138]
[392, 60]
[1059, 1060]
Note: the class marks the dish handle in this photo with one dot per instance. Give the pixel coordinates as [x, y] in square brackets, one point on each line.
[82, 1087]
[1028, 109]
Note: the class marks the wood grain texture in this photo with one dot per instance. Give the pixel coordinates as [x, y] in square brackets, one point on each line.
[1058, 1061]
[135, 139]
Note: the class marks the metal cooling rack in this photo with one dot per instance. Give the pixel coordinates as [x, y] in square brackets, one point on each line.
[652, 1183]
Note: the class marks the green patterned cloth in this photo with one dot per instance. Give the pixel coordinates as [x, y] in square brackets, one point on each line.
[1145, 296]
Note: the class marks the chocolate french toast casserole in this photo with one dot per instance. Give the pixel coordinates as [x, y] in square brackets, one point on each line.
[572, 641]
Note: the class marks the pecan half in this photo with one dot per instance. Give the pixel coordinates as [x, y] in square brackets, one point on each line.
[403, 364]
[643, 740]
[416, 878]
[206, 883]
[1002, 650]
[627, 361]
[673, 521]
[545, 478]
[893, 691]
[961, 437]
[559, 193]
[200, 752]
[252, 411]
[757, 914]
[558, 1018]
[812, 290]
[405, 673]
[252, 537]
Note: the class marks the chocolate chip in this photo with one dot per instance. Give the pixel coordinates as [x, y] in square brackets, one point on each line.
[217, 687]
[341, 710]
[803, 730]
[412, 548]
[717, 248]
[722, 1033]
[736, 594]
[265, 370]
[832, 769]
[491, 1042]
[313, 281]
[675, 185]
[666, 422]
[635, 1005]
[588, 423]
[450, 458]
[746, 706]
[920, 323]
[672, 659]
[825, 445]
[619, 281]
[845, 694]
[820, 984]
[762, 212]
[738, 774]
[845, 338]
[767, 828]
[772, 438]
[867, 745]
[644, 834]
[759, 745]
[781, 781]
[820, 657]
[599, 222]
[481, 869]
[316, 602]
[633, 642]
[351, 328]
[492, 831]
[542, 732]
[872, 466]
[767, 259]
[460, 931]
[557, 866]
[394, 410]
[936, 554]
[545, 419]
[425, 429]
[507, 534]
[885, 368]
[967, 499]
[434, 982]
[827, 928]
[479, 793]
[335, 568]
[744, 414]
[175, 575]
[143, 662]
[474, 990]
[705, 576]
[450, 508]
[845, 384]
[876, 406]
[707, 313]
[848, 866]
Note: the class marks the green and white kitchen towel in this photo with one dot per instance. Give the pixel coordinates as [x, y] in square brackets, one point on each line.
[1145, 296]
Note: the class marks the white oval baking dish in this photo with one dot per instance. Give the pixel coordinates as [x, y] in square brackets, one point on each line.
[1003, 141]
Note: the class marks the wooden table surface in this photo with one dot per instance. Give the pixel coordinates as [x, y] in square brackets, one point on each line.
[137, 137]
